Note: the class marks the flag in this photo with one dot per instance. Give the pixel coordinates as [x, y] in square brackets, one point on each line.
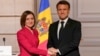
[44, 20]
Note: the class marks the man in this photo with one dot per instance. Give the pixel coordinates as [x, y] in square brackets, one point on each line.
[65, 34]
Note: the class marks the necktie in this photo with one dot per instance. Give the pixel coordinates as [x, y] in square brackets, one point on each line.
[61, 29]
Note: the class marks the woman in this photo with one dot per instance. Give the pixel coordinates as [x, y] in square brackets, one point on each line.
[28, 36]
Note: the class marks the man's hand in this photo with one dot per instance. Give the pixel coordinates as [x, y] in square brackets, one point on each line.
[52, 51]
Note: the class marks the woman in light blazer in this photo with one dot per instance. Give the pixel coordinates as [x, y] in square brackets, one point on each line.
[27, 36]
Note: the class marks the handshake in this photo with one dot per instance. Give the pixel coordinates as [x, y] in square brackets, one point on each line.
[52, 51]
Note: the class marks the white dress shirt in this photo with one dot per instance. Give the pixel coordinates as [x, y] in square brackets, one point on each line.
[59, 25]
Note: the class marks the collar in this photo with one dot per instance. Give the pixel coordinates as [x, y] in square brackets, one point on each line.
[65, 20]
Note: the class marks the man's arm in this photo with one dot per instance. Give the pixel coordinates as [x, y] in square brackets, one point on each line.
[50, 44]
[51, 50]
[75, 42]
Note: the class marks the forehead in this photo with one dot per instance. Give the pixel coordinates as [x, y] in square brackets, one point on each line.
[63, 5]
[29, 15]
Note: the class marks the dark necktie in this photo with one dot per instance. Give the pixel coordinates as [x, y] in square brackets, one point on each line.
[61, 29]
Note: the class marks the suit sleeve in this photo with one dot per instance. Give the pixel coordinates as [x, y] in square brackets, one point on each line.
[31, 49]
[75, 42]
[50, 44]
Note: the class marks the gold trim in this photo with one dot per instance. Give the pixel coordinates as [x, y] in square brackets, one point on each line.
[89, 46]
[9, 15]
[90, 21]
[7, 33]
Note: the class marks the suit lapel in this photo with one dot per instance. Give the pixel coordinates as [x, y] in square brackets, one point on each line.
[67, 24]
[56, 29]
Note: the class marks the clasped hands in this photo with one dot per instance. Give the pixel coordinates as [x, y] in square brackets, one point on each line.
[52, 51]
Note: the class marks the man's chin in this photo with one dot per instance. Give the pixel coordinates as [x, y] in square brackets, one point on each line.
[62, 18]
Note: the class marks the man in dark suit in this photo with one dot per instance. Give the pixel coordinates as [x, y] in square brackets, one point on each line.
[65, 34]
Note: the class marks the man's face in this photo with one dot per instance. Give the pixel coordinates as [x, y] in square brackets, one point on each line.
[63, 11]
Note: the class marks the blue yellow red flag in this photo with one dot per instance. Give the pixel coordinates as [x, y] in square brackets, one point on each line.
[44, 20]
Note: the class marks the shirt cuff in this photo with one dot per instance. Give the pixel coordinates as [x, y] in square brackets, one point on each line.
[59, 51]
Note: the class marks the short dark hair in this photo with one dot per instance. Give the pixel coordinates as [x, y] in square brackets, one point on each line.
[64, 3]
[23, 18]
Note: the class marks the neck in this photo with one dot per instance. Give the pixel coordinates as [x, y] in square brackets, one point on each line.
[29, 29]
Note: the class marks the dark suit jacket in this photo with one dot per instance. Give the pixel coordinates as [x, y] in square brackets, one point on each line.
[69, 42]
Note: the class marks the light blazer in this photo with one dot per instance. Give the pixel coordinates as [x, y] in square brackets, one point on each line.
[69, 42]
[28, 43]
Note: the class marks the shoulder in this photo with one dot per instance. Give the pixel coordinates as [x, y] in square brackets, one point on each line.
[74, 21]
[20, 31]
[54, 23]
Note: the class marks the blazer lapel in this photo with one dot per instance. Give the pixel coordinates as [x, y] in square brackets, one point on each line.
[56, 30]
[67, 25]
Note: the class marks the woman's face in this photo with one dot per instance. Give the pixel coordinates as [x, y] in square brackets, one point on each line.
[29, 21]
